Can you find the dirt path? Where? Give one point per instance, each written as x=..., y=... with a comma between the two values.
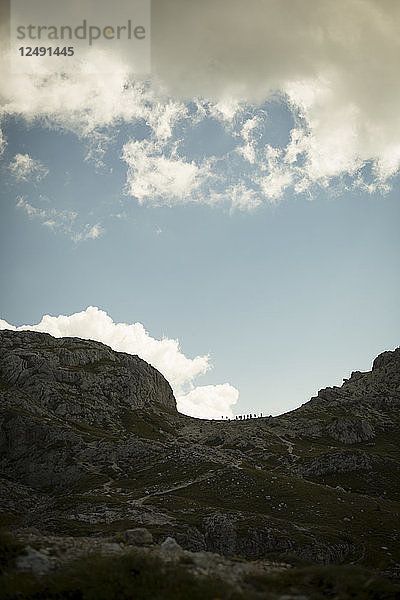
x=289, y=445
x=173, y=488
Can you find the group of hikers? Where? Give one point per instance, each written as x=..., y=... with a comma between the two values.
x=242, y=417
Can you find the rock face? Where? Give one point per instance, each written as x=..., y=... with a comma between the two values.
x=366, y=405
x=53, y=390
x=76, y=379
x=91, y=444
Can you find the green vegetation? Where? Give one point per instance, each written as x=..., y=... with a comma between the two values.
x=161, y=476
x=77, y=528
x=297, y=509
x=146, y=424
x=88, y=482
x=129, y=577
x=95, y=432
x=137, y=576
x=4, y=385
x=320, y=583
x=9, y=519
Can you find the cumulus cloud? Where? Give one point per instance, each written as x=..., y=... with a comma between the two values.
x=209, y=401
x=226, y=109
x=79, y=101
x=335, y=64
x=248, y=149
x=25, y=168
x=86, y=103
x=152, y=175
x=164, y=354
x=279, y=177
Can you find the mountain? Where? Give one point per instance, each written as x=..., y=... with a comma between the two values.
x=92, y=447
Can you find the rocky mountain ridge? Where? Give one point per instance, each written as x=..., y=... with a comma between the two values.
x=91, y=445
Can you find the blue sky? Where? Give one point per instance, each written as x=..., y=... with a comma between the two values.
x=260, y=232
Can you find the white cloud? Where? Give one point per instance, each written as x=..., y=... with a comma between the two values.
x=164, y=116
x=86, y=103
x=336, y=63
x=164, y=354
x=80, y=102
x=153, y=176
x=3, y=143
x=278, y=177
x=209, y=401
x=25, y=168
x=248, y=152
x=226, y=109
x=243, y=197
x=248, y=133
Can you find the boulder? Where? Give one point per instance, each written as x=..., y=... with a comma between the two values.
x=139, y=536
x=170, y=549
x=34, y=561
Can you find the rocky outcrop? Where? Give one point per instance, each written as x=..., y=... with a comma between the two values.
x=64, y=408
x=387, y=360
x=54, y=552
x=77, y=380
x=139, y=536
x=336, y=462
x=91, y=444
x=350, y=431
x=362, y=408
x=220, y=534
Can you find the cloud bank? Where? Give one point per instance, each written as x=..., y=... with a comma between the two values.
x=165, y=355
x=334, y=65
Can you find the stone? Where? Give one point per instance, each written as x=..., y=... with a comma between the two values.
x=170, y=549
x=139, y=536
x=220, y=534
x=34, y=561
x=351, y=431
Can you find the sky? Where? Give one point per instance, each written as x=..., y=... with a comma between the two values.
x=231, y=217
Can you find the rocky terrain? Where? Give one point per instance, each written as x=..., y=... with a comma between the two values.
x=92, y=448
